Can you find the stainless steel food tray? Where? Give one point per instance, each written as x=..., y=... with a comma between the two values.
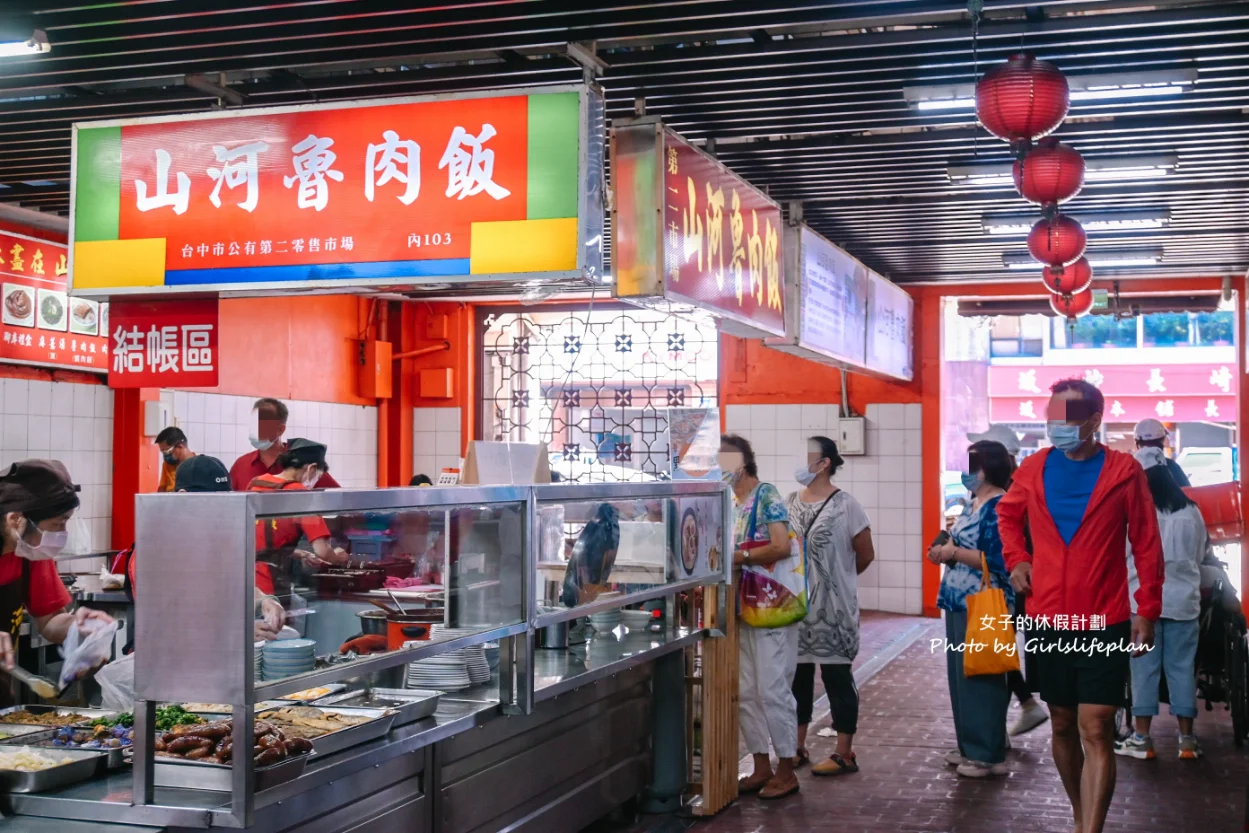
x=16, y=731
x=88, y=713
x=42, y=739
x=87, y=763
x=377, y=727
x=335, y=688
x=197, y=775
x=410, y=704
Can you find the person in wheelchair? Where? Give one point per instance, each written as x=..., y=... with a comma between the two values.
x=1174, y=653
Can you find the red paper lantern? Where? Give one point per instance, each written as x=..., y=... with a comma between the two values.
x=1057, y=241
x=1050, y=174
x=1072, y=306
x=1068, y=280
x=1022, y=100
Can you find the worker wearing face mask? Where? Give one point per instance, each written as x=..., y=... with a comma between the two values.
x=269, y=442
x=301, y=466
x=37, y=499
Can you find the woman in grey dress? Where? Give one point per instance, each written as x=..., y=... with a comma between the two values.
x=838, y=542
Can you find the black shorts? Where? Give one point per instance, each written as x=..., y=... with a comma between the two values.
x=1071, y=678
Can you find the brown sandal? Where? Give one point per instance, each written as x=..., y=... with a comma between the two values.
x=752, y=784
x=774, y=789
x=836, y=765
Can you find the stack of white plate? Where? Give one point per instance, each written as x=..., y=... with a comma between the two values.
x=606, y=621
x=444, y=673
x=258, y=655
x=287, y=657
x=476, y=664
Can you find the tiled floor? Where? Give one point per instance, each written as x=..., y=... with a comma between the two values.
x=904, y=729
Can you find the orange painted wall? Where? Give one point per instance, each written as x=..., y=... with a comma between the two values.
x=752, y=374
x=291, y=348
x=457, y=322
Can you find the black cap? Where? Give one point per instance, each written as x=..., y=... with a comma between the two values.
x=39, y=489
x=201, y=473
x=301, y=452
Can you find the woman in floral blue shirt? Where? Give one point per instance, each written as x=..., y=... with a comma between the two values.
x=767, y=656
x=979, y=702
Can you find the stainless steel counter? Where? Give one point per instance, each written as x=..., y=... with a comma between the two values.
x=104, y=804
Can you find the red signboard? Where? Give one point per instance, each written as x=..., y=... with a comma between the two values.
x=375, y=184
x=1169, y=392
x=40, y=324
x=722, y=240
x=164, y=344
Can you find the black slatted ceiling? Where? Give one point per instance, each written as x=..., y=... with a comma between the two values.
x=803, y=98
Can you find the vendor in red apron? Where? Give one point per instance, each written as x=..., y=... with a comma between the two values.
x=302, y=464
x=37, y=499
x=202, y=473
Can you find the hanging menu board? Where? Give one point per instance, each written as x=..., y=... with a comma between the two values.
x=41, y=324
x=890, y=310
x=833, y=316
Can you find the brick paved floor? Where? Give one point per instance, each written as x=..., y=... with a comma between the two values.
x=905, y=728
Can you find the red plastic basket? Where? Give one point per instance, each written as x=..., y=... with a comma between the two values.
x=1220, y=507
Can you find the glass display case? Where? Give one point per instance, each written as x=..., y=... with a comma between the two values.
x=402, y=618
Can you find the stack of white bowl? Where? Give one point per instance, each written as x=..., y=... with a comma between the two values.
x=607, y=620
x=288, y=657
x=447, y=672
x=258, y=656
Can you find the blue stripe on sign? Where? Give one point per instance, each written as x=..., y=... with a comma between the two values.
x=323, y=272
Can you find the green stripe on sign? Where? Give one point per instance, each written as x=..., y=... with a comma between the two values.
x=97, y=184
x=554, y=133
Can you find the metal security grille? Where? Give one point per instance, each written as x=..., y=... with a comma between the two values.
x=597, y=385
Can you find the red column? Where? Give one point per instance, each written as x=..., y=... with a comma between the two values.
x=136, y=461
x=928, y=363
x=1242, y=420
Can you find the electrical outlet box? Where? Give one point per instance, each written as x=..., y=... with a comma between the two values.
x=157, y=416
x=851, y=436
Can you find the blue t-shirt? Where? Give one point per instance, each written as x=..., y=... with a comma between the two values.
x=1068, y=486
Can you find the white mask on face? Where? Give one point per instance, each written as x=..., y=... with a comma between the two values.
x=804, y=475
x=259, y=444
x=310, y=478
x=50, y=545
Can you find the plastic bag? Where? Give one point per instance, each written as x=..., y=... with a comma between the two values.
x=85, y=650
x=117, y=684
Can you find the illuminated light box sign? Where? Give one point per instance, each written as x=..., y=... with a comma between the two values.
x=688, y=232
x=890, y=329
x=40, y=324
x=379, y=193
x=826, y=310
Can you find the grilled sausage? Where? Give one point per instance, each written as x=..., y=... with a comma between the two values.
x=268, y=741
x=196, y=754
x=298, y=746
x=212, y=731
x=181, y=746
x=267, y=757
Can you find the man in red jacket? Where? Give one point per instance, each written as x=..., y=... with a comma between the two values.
x=1082, y=503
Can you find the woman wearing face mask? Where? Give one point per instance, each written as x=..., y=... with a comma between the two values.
x=838, y=540
x=768, y=655
x=302, y=465
x=979, y=702
x=37, y=499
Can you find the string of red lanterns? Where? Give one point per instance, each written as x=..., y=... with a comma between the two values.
x=1021, y=102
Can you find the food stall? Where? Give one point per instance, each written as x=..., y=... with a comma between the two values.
x=507, y=675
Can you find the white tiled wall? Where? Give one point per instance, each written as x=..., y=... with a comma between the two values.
x=74, y=424
x=219, y=425
x=435, y=440
x=886, y=481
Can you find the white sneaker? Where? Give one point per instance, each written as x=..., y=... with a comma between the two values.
x=1029, y=719
x=954, y=758
x=976, y=769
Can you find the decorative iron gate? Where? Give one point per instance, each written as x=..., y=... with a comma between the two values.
x=595, y=384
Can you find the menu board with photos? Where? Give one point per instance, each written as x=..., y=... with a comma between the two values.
x=890, y=310
x=40, y=323
x=833, y=318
